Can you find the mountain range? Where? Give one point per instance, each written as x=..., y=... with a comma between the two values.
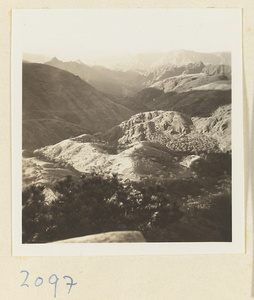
x=151, y=61
x=93, y=117
x=127, y=81
x=154, y=131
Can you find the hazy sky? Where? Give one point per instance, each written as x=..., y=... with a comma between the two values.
x=93, y=33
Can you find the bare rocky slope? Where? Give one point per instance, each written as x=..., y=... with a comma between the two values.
x=218, y=126
x=170, y=70
x=176, y=130
x=161, y=144
x=173, y=78
x=58, y=105
x=138, y=160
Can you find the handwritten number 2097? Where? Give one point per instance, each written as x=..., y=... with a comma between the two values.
x=53, y=279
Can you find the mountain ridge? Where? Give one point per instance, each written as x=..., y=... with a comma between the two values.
x=126, y=83
x=180, y=57
x=103, y=79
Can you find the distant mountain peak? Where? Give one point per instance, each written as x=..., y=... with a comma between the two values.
x=149, y=62
x=55, y=59
x=199, y=63
x=55, y=62
x=79, y=62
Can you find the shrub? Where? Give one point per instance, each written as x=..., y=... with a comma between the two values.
x=212, y=224
x=94, y=204
x=163, y=210
x=213, y=165
x=36, y=218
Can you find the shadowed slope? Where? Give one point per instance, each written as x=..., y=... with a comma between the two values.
x=58, y=105
x=103, y=79
x=195, y=103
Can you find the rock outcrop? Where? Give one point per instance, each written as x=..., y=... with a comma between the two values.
x=217, y=126
x=150, y=126
x=178, y=131
x=223, y=70
x=109, y=237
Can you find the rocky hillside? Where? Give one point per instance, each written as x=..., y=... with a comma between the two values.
x=184, y=83
x=138, y=160
x=224, y=70
x=144, y=126
x=176, y=130
x=157, y=144
x=170, y=70
x=218, y=126
x=58, y=105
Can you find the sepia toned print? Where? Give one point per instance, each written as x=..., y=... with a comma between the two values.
x=127, y=134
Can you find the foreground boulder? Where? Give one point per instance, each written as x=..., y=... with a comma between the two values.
x=109, y=237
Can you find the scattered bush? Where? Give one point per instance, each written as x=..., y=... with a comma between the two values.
x=213, y=165
x=212, y=224
x=163, y=210
x=36, y=217
x=95, y=204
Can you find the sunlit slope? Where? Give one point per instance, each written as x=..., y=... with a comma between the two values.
x=160, y=144
x=185, y=83
x=137, y=161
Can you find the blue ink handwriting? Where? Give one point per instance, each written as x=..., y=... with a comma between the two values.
x=53, y=280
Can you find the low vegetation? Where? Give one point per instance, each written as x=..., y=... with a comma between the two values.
x=194, y=209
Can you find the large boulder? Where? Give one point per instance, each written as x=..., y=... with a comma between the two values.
x=109, y=237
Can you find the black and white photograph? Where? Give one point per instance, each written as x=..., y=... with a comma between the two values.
x=127, y=128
